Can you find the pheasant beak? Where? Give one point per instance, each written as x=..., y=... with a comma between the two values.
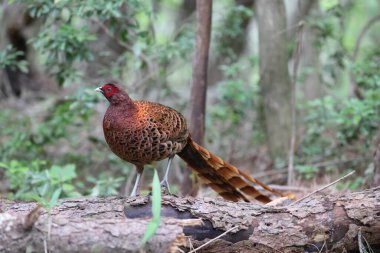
x=99, y=89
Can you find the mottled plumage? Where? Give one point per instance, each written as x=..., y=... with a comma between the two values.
x=151, y=132
x=141, y=132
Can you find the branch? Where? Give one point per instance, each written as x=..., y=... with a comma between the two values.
x=117, y=224
x=365, y=29
x=296, y=57
x=354, y=87
x=110, y=34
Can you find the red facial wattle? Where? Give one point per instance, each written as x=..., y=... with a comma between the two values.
x=109, y=90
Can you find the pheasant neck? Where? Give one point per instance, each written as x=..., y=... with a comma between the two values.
x=122, y=100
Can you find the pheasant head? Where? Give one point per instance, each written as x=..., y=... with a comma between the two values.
x=115, y=94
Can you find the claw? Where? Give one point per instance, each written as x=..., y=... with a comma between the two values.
x=165, y=186
x=165, y=182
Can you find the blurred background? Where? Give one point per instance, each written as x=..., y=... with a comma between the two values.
x=53, y=54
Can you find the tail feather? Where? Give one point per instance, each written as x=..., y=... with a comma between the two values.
x=225, y=179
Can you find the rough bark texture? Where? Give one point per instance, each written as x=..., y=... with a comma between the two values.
x=318, y=224
x=274, y=76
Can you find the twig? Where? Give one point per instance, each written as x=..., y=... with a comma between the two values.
x=269, y=173
x=323, y=245
x=190, y=244
x=362, y=247
x=282, y=170
x=121, y=43
x=368, y=25
x=181, y=251
x=369, y=246
x=335, y=162
x=358, y=42
x=297, y=54
x=288, y=188
x=321, y=189
x=315, y=246
x=207, y=243
x=45, y=246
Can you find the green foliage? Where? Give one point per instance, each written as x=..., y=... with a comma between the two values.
x=122, y=39
x=105, y=185
x=332, y=123
x=68, y=46
x=366, y=72
x=341, y=126
x=178, y=48
x=65, y=38
x=154, y=223
x=65, y=44
x=37, y=180
x=234, y=97
x=10, y=58
x=25, y=138
x=229, y=113
x=231, y=31
x=307, y=171
x=352, y=184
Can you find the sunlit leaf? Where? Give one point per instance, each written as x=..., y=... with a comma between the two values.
x=154, y=223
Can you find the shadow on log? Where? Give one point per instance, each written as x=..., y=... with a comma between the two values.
x=322, y=223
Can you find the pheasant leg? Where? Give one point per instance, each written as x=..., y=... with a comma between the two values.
x=137, y=181
x=165, y=181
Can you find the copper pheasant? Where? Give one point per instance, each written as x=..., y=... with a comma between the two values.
x=141, y=132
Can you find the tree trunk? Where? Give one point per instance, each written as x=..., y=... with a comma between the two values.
x=312, y=87
x=200, y=63
x=376, y=161
x=319, y=224
x=274, y=75
x=199, y=82
x=376, y=173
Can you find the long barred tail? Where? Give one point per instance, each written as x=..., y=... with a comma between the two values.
x=225, y=179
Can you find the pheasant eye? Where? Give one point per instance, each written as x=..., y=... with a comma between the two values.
x=109, y=89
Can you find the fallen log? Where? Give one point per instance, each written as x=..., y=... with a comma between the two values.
x=321, y=223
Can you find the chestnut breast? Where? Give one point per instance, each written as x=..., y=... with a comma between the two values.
x=146, y=133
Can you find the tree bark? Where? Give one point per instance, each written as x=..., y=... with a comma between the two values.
x=200, y=63
x=312, y=87
x=322, y=223
x=376, y=172
x=376, y=161
x=199, y=84
x=274, y=75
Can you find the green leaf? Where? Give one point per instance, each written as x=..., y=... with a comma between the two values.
x=54, y=198
x=156, y=210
